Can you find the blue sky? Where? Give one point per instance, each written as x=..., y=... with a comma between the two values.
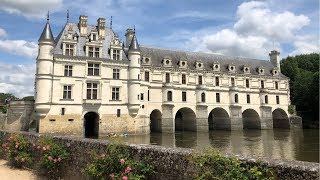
x=235, y=27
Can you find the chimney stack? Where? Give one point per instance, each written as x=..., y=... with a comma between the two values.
x=83, y=25
x=101, y=27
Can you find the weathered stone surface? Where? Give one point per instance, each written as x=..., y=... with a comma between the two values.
x=169, y=163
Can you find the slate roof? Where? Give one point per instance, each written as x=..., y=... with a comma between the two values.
x=46, y=34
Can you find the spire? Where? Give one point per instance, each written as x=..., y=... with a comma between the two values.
x=67, y=15
x=111, y=22
x=134, y=44
x=46, y=34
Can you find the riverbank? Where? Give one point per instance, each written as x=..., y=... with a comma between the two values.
x=169, y=163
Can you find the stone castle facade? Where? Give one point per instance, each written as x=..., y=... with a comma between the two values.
x=89, y=83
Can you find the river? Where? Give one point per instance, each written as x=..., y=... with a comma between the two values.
x=302, y=145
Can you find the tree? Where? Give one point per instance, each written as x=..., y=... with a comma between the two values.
x=4, y=96
x=303, y=71
x=28, y=98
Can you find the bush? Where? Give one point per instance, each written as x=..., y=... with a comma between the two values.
x=53, y=157
x=213, y=165
x=116, y=163
x=291, y=109
x=17, y=150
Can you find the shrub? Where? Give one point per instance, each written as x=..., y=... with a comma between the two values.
x=291, y=109
x=213, y=165
x=116, y=163
x=17, y=150
x=53, y=157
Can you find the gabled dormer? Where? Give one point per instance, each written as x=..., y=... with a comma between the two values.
x=216, y=66
x=183, y=63
x=167, y=62
x=69, y=42
x=199, y=65
x=116, y=48
x=231, y=68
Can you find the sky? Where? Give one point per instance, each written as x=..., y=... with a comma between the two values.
x=229, y=27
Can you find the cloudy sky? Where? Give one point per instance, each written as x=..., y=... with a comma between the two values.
x=234, y=27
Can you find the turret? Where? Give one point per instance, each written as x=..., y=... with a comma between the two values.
x=129, y=35
x=134, y=76
x=43, y=89
x=275, y=59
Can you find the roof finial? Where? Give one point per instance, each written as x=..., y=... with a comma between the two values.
x=48, y=16
x=111, y=23
x=67, y=15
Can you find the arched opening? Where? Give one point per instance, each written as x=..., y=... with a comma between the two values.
x=155, y=121
x=185, y=120
x=169, y=95
x=251, y=119
x=280, y=119
x=219, y=119
x=203, y=97
x=91, y=125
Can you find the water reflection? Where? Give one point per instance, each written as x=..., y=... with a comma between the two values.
x=277, y=144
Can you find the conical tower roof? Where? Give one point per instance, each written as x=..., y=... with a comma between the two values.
x=46, y=34
x=134, y=44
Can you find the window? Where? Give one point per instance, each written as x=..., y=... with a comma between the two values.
x=115, y=93
x=93, y=51
x=146, y=76
x=92, y=91
x=277, y=100
x=148, y=95
x=93, y=69
x=116, y=73
x=248, y=98
x=169, y=95
x=67, y=70
x=200, y=80
x=276, y=85
x=142, y=96
x=94, y=37
x=262, y=84
x=203, y=97
x=66, y=92
x=167, y=78
x=63, y=110
x=184, y=79
x=232, y=81
x=118, y=112
x=266, y=99
x=116, y=54
x=184, y=96
x=217, y=81
x=217, y=97
x=247, y=83
x=69, y=49
x=236, y=98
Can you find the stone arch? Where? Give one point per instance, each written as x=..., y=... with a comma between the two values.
x=280, y=119
x=219, y=119
x=185, y=120
x=91, y=125
x=155, y=121
x=251, y=119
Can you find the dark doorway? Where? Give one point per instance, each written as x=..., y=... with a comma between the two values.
x=91, y=125
x=185, y=120
x=155, y=121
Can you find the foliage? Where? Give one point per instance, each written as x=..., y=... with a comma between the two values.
x=3, y=109
x=116, y=163
x=4, y=96
x=303, y=71
x=291, y=109
x=53, y=156
x=17, y=149
x=213, y=165
x=28, y=98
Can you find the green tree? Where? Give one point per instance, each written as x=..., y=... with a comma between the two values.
x=4, y=96
x=303, y=71
x=28, y=98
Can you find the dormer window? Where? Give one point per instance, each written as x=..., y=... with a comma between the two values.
x=275, y=71
x=260, y=71
x=94, y=37
x=246, y=69
x=231, y=68
x=146, y=60
x=199, y=65
x=116, y=54
x=69, y=51
x=216, y=66
x=116, y=49
x=183, y=64
x=167, y=62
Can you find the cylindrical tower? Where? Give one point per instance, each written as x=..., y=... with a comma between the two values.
x=134, y=75
x=44, y=71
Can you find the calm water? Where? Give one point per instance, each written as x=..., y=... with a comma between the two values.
x=300, y=145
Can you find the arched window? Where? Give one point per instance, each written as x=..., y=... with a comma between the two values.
x=203, y=97
x=236, y=98
x=266, y=99
x=169, y=95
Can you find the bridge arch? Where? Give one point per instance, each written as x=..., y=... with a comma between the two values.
x=251, y=119
x=155, y=121
x=185, y=120
x=219, y=119
x=280, y=119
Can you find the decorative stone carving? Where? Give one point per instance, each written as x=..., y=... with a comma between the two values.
x=232, y=68
x=199, y=65
x=260, y=70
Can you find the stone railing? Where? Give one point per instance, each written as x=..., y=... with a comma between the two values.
x=169, y=163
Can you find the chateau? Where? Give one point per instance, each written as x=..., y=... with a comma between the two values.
x=89, y=83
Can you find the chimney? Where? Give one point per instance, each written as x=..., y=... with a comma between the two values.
x=83, y=25
x=101, y=27
x=275, y=59
x=129, y=36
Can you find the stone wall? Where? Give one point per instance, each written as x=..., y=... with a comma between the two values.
x=169, y=163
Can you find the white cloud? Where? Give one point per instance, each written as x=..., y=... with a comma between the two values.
x=17, y=79
x=306, y=44
x=30, y=8
x=256, y=31
x=19, y=47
